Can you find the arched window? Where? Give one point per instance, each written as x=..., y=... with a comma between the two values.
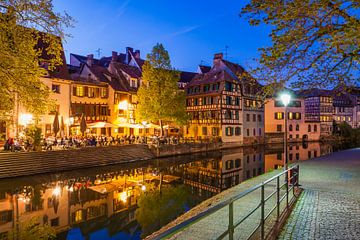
x=290, y=127
x=297, y=127
x=315, y=128
x=309, y=128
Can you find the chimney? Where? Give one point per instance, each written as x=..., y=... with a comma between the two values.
x=137, y=54
x=114, y=56
x=128, y=51
x=90, y=59
x=217, y=59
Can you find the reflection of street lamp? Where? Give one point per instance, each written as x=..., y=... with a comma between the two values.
x=285, y=99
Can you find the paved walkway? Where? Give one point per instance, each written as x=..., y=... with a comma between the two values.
x=329, y=207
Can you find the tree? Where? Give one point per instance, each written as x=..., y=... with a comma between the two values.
x=315, y=43
x=30, y=35
x=159, y=98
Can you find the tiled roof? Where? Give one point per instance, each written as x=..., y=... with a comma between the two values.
x=132, y=71
x=116, y=82
x=204, y=69
x=315, y=92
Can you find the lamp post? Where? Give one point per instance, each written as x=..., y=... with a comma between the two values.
x=285, y=99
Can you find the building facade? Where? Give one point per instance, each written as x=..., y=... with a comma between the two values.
x=297, y=128
x=216, y=108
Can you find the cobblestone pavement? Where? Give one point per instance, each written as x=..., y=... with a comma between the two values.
x=329, y=207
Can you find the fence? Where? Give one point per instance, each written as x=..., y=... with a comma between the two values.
x=285, y=184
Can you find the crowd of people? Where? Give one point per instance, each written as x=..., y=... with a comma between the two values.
x=58, y=143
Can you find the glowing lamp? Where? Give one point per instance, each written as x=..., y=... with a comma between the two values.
x=123, y=105
x=285, y=98
x=56, y=191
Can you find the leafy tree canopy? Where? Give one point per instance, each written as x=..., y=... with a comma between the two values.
x=30, y=35
x=159, y=96
x=315, y=43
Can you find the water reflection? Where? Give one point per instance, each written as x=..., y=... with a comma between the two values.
x=133, y=200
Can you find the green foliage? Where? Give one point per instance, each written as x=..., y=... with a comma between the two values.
x=31, y=230
x=34, y=133
x=314, y=43
x=157, y=209
x=159, y=96
x=20, y=71
x=347, y=133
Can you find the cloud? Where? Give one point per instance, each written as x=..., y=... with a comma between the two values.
x=182, y=31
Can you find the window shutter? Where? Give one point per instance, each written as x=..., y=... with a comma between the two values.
x=86, y=91
x=74, y=91
x=275, y=115
x=97, y=92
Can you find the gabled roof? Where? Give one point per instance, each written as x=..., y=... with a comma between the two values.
x=116, y=82
x=132, y=71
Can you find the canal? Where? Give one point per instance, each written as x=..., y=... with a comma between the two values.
x=130, y=201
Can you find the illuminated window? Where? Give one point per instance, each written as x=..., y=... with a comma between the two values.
x=279, y=115
x=78, y=216
x=79, y=91
x=103, y=92
x=91, y=92
x=55, y=88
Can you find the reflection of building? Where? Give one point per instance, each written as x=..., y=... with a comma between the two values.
x=222, y=103
x=297, y=128
x=274, y=158
x=210, y=177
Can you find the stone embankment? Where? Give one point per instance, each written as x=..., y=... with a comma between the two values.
x=30, y=163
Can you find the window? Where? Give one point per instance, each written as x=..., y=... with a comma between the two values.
x=80, y=91
x=248, y=117
x=120, y=130
x=290, y=156
x=297, y=155
x=6, y=216
x=297, y=135
x=315, y=128
x=55, y=88
x=309, y=154
x=254, y=132
x=290, y=127
x=91, y=92
x=229, y=131
x=47, y=129
x=260, y=132
x=237, y=163
x=228, y=100
x=309, y=128
x=237, y=131
x=229, y=164
x=237, y=101
x=103, y=93
x=247, y=132
x=297, y=127
x=279, y=115
x=259, y=118
x=215, y=131
x=228, y=86
x=237, y=115
x=279, y=156
x=103, y=111
x=204, y=131
x=54, y=222
x=78, y=216
x=195, y=102
x=279, y=127
x=254, y=117
x=290, y=136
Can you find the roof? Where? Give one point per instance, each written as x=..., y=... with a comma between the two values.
x=132, y=71
x=315, y=92
x=118, y=83
x=186, y=77
x=204, y=69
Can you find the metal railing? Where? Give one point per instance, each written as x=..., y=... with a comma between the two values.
x=290, y=182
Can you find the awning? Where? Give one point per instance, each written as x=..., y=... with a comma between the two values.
x=101, y=125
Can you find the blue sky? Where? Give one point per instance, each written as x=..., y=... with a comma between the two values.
x=192, y=31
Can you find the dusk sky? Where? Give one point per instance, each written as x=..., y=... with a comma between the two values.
x=192, y=31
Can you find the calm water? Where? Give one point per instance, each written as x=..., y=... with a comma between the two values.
x=130, y=201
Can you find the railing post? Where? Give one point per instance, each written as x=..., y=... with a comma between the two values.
x=262, y=213
x=278, y=197
x=287, y=187
x=231, y=221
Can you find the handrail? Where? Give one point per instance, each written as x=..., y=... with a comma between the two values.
x=294, y=170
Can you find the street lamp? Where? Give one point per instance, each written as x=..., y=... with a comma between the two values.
x=285, y=99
